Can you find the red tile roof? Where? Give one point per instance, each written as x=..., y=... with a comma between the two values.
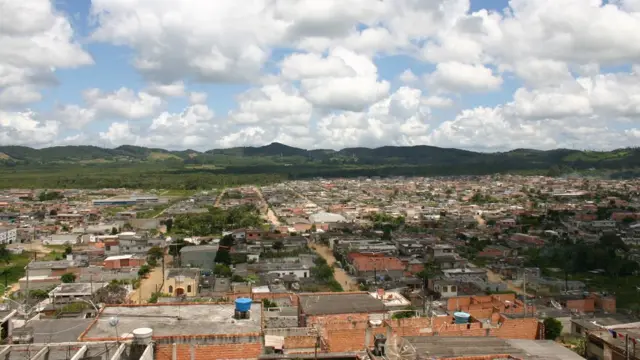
x=377, y=263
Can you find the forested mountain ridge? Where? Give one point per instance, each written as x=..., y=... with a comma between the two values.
x=280, y=154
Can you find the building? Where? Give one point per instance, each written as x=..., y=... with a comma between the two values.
x=69, y=293
x=184, y=331
x=132, y=243
x=381, y=267
x=483, y=348
x=181, y=282
x=53, y=268
x=127, y=201
x=71, y=218
x=323, y=308
x=202, y=256
x=123, y=261
x=62, y=239
x=8, y=235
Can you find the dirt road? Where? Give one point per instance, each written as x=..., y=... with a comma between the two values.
x=219, y=198
x=269, y=215
x=148, y=286
x=341, y=276
x=493, y=277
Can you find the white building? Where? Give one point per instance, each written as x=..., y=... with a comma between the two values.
x=8, y=235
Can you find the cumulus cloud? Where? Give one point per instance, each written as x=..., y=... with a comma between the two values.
x=333, y=73
x=123, y=103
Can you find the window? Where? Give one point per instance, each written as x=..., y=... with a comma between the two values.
x=453, y=288
x=170, y=289
x=188, y=288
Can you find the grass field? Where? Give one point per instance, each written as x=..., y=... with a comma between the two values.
x=12, y=272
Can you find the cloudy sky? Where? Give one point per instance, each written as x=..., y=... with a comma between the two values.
x=487, y=75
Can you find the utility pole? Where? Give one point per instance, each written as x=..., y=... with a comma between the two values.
x=524, y=290
x=27, y=294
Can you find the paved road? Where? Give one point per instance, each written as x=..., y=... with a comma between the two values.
x=347, y=282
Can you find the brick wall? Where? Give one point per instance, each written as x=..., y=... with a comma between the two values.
x=208, y=351
x=585, y=305
x=336, y=318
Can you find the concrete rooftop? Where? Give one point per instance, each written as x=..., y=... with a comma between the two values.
x=175, y=320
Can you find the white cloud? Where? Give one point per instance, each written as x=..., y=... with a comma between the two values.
x=272, y=104
x=175, y=89
x=191, y=128
x=311, y=68
x=123, y=103
x=22, y=128
x=197, y=97
x=34, y=41
x=459, y=77
x=408, y=77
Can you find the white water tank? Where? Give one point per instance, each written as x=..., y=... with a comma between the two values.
x=142, y=336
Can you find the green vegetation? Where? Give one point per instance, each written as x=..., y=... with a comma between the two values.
x=68, y=278
x=552, y=328
x=322, y=272
x=603, y=266
x=217, y=220
x=187, y=171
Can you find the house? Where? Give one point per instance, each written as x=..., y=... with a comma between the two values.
x=69, y=293
x=202, y=256
x=437, y=250
x=8, y=235
x=181, y=282
x=446, y=288
x=495, y=251
x=369, y=267
x=71, y=218
x=324, y=308
x=123, y=261
x=62, y=239
x=53, y=268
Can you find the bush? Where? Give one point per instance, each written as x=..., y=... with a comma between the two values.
x=552, y=328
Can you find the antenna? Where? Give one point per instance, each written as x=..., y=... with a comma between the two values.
x=398, y=348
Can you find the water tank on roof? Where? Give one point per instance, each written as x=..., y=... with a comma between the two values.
x=243, y=308
x=461, y=317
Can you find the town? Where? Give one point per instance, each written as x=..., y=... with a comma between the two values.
x=484, y=267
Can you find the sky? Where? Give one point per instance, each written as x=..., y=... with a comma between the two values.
x=483, y=75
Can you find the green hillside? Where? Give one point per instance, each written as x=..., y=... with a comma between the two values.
x=86, y=166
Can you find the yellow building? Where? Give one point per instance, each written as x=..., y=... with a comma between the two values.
x=181, y=282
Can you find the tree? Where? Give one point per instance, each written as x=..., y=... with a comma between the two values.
x=223, y=257
x=114, y=231
x=53, y=212
x=68, y=250
x=278, y=245
x=386, y=234
x=222, y=270
x=114, y=293
x=5, y=255
x=144, y=270
x=68, y=278
x=155, y=253
x=552, y=328
x=169, y=224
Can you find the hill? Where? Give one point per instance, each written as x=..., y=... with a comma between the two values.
x=266, y=158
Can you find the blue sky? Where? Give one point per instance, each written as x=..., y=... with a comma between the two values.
x=411, y=75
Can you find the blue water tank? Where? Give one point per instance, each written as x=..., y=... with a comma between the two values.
x=461, y=317
x=243, y=304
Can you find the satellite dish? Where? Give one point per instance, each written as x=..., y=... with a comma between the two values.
x=398, y=348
